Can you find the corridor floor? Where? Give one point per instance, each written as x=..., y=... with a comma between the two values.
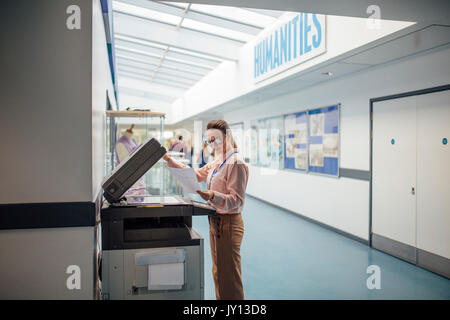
x=287, y=257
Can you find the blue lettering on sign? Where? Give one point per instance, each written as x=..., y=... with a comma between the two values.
x=294, y=22
x=256, y=68
x=276, y=53
x=283, y=44
x=307, y=30
x=288, y=42
x=317, y=39
x=301, y=34
x=268, y=54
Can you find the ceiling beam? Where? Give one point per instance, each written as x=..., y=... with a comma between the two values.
x=182, y=74
x=127, y=76
x=137, y=46
x=182, y=39
x=150, y=87
x=141, y=72
x=176, y=80
x=197, y=16
x=127, y=66
x=150, y=78
x=155, y=60
x=118, y=36
x=169, y=84
x=158, y=51
x=149, y=64
x=162, y=57
x=270, y=13
x=143, y=93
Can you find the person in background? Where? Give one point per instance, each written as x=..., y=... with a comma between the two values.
x=204, y=156
x=172, y=143
x=226, y=180
x=125, y=145
x=179, y=145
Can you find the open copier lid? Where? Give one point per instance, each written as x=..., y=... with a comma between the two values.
x=131, y=169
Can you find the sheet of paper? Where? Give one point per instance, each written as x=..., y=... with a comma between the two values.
x=317, y=124
x=316, y=155
x=187, y=178
x=301, y=158
x=330, y=145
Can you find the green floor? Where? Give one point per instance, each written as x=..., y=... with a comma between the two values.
x=287, y=257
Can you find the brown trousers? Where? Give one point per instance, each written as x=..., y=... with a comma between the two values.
x=225, y=234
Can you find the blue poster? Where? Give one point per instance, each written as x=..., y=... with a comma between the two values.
x=296, y=141
x=323, y=140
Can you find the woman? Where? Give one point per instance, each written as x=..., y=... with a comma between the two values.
x=226, y=179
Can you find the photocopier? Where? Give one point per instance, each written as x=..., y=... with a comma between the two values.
x=149, y=248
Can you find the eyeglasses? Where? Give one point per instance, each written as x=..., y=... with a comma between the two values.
x=213, y=140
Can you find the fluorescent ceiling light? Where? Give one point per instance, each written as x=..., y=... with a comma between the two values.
x=175, y=4
x=203, y=66
x=139, y=41
x=235, y=14
x=195, y=54
x=215, y=30
x=139, y=52
x=146, y=13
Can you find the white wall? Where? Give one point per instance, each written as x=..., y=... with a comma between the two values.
x=347, y=200
x=45, y=103
x=53, y=100
x=231, y=80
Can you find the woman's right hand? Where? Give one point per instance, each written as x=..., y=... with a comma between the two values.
x=166, y=157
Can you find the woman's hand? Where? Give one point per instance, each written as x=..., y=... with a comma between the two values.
x=166, y=157
x=206, y=195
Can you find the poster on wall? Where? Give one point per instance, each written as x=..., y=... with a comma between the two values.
x=254, y=144
x=296, y=141
x=267, y=136
x=237, y=130
x=323, y=140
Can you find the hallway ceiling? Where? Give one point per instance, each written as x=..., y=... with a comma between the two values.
x=431, y=11
x=174, y=45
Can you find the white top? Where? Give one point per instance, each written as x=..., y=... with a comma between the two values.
x=122, y=151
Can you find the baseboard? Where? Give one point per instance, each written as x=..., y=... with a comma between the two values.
x=394, y=248
x=424, y=259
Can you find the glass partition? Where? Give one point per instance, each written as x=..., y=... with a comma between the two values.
x=143, y=125
x=267, y=142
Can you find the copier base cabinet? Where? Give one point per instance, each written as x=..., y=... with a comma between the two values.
x=151, y=251
x=122, y=279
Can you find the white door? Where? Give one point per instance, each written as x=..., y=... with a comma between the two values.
x=394, y=170
x=433, y=173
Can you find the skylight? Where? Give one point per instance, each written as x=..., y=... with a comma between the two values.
x=176, y=44
x=218, y=31
x=145, y=13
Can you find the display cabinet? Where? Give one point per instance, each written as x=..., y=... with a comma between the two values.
x=147, y=125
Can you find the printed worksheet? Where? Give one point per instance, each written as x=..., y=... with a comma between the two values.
x=187, y=178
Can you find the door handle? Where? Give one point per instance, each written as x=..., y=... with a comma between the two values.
x=413, y=190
